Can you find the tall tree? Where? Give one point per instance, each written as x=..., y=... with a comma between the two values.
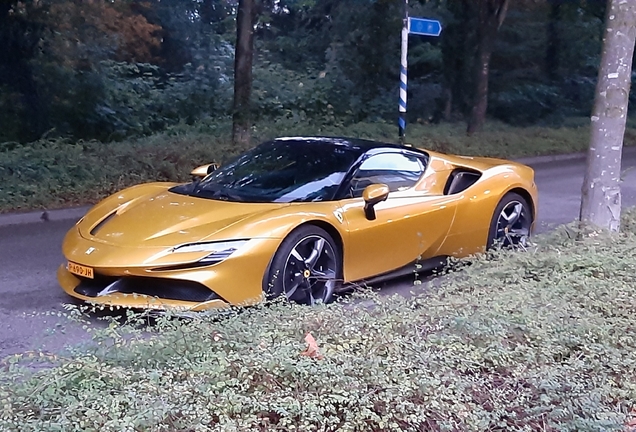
x=553, y=48
x=85, y=33
x=243, y=56
x=458, y=57
x=490, y=16
x=21, y=31
x=601, y=203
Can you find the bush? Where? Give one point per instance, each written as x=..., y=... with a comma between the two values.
x=115, y=100
x=57, y=173
x=542, y=340
x=524, y=104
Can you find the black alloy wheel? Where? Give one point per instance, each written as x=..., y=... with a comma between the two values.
x=307, y=267
x=511, y=222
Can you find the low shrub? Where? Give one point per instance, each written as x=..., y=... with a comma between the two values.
x=57, y=173
x=541, y=340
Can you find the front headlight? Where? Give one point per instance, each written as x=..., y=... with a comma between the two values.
x=218, y=250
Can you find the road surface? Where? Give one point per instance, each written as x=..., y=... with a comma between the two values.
x=30, y=254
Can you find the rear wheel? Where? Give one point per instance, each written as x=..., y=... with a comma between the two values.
x=306, y=267
x=511, y=222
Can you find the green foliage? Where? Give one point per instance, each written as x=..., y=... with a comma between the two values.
x=341, y=65
x=535, y=340
x=107, y=71
x=530, y=86
x=280, y=93
x=119, y=99
x=321, y=98
x=524, y=103
x=139, y=100
x=11, y=111
x=58, y=173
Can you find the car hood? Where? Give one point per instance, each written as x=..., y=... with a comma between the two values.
x=167, y=219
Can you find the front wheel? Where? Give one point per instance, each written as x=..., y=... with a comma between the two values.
x=306, y=267
x=511, y=222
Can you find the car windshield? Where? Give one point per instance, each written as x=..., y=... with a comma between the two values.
x=279, y=171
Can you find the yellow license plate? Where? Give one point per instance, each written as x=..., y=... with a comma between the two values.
x=80, y=270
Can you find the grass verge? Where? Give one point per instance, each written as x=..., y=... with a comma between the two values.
x=541, y=340
x=50, y=174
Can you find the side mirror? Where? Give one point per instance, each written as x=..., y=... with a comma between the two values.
x=204, y=170
x=372, y=195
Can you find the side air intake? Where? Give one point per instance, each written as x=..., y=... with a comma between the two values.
x=460, y=180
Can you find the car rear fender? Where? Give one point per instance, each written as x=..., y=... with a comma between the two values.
x=469, y=232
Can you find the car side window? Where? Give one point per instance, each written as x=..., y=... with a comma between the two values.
x=398, y=171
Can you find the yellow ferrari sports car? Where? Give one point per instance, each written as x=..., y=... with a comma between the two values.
x=298, y=217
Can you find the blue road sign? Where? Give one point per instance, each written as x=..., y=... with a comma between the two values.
x=424, y=27
x=417, y=26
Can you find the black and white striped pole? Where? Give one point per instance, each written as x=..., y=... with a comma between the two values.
x=418, y=26
x=404, y=73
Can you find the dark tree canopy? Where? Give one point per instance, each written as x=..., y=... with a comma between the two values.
x=107, y=69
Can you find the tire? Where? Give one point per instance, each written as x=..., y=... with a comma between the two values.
x=511, y=222
x=306, y=268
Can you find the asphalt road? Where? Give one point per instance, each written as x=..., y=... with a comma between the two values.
x=30, y=254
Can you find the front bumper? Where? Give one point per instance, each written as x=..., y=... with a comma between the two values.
x=84, y=290
x=236, y=281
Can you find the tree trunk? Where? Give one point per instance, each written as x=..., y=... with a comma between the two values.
x=480, y=98
x=243, y=72
x=448, y=105
x=554, y=42
x=601, y=193
x=491, y=14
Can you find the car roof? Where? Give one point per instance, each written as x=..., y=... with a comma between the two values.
x=359, y=144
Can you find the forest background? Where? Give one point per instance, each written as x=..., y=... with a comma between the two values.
x=99, y=94
x=108, y=70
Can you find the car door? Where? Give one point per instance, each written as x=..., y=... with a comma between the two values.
x=408, y=225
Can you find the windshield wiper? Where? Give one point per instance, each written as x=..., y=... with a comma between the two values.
x=226, y=196
x=219, y=194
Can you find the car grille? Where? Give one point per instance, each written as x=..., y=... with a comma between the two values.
x=161, y=288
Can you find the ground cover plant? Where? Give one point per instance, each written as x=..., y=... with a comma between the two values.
x=537, y=340
x=49, y=174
